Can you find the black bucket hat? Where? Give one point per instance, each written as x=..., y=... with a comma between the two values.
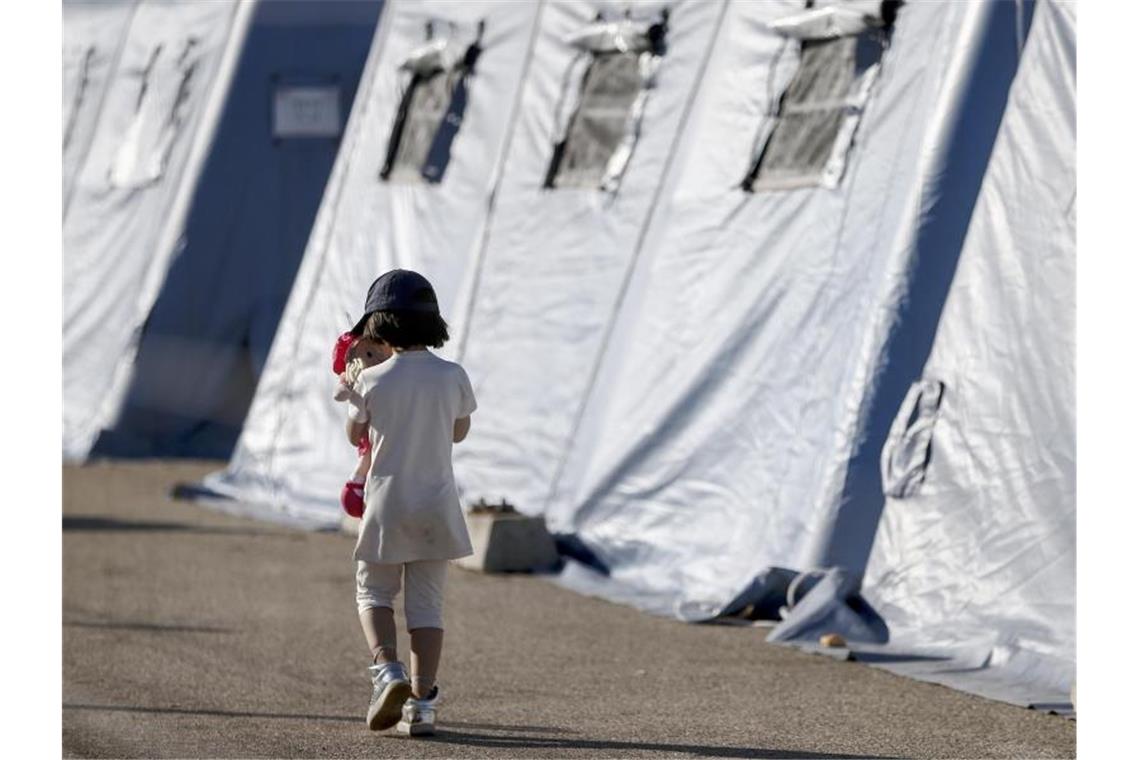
x=398, y=290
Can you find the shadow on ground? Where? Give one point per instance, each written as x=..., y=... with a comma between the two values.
x=213, y=713
x=519, y=743
x=515, y=738
x=117, y=525
x=125, y=625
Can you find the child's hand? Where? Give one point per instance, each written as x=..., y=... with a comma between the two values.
x=347, y=392
x=344, y=389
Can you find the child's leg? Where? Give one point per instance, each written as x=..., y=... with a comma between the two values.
x=423, y=607
x=376, y=590
x=427, y=647
x=379, y=625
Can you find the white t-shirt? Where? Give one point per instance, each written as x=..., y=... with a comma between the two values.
x=411, y=506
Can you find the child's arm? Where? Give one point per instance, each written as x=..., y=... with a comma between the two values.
x=355, y=430
x=462, y=426
x=467, y=405
x=362, y=467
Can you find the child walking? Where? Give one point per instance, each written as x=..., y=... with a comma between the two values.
x=412, y=406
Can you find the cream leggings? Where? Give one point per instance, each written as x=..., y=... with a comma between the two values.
x=378, y=585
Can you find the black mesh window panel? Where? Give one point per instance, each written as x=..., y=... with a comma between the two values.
x=609, y=87
x=813, y=110
x=424, y=106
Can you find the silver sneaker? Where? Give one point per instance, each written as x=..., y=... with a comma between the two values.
x=418, y=716
x=390, y=688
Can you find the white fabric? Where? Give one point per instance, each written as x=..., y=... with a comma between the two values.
x=723, y=397
x=93, y=37
x=411, y=506
x=625, y=36
x=438, y=54
x=378, y=585
x=556, y=260
x=120, y=227
x=827, y=23
x=979, y=559
x=346, y=391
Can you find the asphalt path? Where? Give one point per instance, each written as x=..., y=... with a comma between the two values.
x=189, y=633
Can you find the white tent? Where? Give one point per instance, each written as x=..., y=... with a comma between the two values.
x=693, y=255
x=726, y=403
x=156, y=76
x=975, y=557
x=186, y=209
x=971, y=581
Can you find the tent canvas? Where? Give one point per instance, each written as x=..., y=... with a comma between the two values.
x=132, y=178
x=93, y=37
x=974, y=559
x=690, y=379
x=209, y=330
x=685, y=402
x=216, y=239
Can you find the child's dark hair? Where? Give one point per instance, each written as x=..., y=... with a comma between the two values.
x=402, y=329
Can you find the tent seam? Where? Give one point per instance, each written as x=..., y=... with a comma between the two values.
x=493, y=196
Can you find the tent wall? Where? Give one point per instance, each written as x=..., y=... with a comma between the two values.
x=556, y=261
x=902, y=327
x=975, y=559
x=130, y=190
x=291, y=455
x=692, y=425
x=207, y=335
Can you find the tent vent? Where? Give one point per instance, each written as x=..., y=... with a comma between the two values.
x=811, y=134
x=431, y=108
x=906, y=454
x=603, y=100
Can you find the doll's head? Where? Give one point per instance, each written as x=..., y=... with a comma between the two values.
x=352, y=355
x=368, y=352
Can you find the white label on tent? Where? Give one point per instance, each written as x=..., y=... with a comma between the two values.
x=306, y=111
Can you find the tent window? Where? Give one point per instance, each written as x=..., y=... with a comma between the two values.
x=612, y=74
x=813, y=130
x=431, y=110
x=160, y=113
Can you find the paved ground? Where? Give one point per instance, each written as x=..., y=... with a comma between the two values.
x=192, y=634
